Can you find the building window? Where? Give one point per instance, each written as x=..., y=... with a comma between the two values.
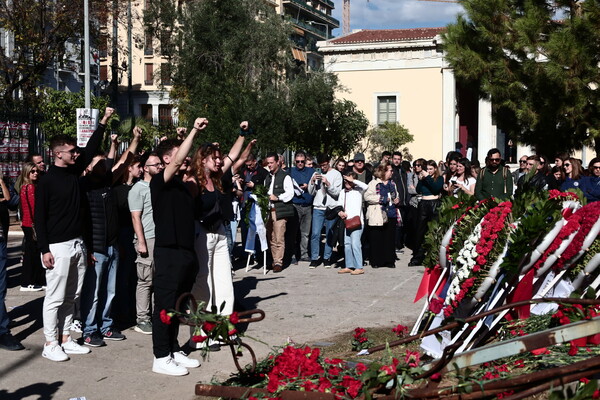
x=104, y=72
x=386, y=109
x=148, y=49
x=165, y=115
x=146, y=111
x=165, y=74
x=149, y=74
x=165, y=44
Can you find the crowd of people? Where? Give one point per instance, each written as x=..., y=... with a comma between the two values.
x=113, y=242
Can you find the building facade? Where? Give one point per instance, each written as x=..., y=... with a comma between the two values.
x=312, y=22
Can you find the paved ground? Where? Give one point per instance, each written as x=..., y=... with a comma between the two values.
x=305, y=305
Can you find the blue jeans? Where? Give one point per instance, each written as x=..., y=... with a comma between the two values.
x=353, y=249
x=4, y=320
x=99, y=291
x=318, y=219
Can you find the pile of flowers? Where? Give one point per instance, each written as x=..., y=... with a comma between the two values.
x=479, y=251
x=360, y=340
x=207, y=325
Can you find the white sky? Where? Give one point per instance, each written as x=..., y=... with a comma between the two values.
x=396, y=14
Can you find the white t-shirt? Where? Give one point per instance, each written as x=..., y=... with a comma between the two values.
x=466, y=184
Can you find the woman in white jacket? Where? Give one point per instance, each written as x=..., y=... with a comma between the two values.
x=351, y=199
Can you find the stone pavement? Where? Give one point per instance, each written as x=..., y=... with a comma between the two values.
x=304, y=305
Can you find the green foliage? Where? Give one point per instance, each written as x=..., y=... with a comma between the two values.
x=41, y=32
x=540, y=73
x=58, y=110
x=231, y=61
x=450, y=210
x=389, y=136
x=150, y=133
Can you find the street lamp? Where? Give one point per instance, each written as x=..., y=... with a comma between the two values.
x=319, y=23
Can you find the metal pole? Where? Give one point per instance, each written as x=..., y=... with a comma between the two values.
x=130, y=62
x=86, y=52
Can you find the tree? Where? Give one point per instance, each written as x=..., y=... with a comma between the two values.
x=36, y=32
x=231, y=60
x=59, y=115
x=541, y=73
x=389, y=136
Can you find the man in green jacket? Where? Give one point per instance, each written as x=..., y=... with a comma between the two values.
x=495, y=180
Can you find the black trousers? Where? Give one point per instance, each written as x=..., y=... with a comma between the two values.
x=381, y=244
x=175, y=271
x=427, y=211
x=32, y=272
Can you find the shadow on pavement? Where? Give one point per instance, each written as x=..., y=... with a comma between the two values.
x=30, y=314
x=41, y=391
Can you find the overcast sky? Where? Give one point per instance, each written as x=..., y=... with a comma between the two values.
x=396, y=14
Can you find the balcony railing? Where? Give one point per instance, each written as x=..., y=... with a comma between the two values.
x=317, y=13
x=310, y=28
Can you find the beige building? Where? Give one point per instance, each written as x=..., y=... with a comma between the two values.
x=401, y=75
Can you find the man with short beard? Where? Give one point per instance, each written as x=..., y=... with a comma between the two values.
x=495, y=180
x=140, y=206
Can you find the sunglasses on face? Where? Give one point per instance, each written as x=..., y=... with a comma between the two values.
x=494, y=159
x=523, y=161
x=567, y=164
x=300, y=161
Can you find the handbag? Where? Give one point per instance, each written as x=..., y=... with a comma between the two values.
x=352, y=223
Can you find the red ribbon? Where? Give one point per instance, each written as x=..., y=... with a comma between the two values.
x=523, y=291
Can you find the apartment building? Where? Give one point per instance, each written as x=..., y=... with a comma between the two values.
x=312, y=22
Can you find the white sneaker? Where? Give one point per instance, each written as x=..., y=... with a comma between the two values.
x=54, y=352
x=183, y=360
x=71, y=347
x=76, y=326
x=168, y=366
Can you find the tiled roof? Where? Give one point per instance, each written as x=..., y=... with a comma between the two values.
x=388, y=35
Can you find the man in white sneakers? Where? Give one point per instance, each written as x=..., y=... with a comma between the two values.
x=59, y=229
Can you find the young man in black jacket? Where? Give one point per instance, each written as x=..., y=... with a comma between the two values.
x=59, y=229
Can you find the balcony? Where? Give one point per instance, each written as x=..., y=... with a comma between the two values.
x=313, y=12
x=310, y=28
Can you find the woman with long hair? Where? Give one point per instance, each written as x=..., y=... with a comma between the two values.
x=340, y=165
x=573, y=174
x=351, y=199
x=381, y=197
x=209, y=172
x=430, y=187
x=463, y=180
x=33, y=277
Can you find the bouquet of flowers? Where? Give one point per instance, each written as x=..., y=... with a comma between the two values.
x=207, y=325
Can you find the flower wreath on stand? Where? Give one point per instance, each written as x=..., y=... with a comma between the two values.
x=207, y=325
x=588, y=217
x=464, y=227
x=480, y=251
x=262, y=200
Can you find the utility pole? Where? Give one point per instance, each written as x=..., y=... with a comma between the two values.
x=86, y=52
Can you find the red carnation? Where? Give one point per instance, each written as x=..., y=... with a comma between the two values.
x=234, y=318
x=199, y=338
x=165, y=317
x=208, y=326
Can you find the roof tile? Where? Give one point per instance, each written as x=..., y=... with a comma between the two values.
x=388, y=35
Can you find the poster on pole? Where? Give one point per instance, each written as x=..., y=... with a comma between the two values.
x=87, y=121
